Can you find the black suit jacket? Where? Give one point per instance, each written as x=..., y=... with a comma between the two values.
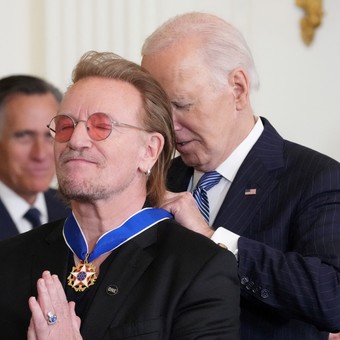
x=289, y=249
x=170, y=283
x=56, y=209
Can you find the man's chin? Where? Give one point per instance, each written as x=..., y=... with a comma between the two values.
x=81, y=193
x=190, y=160
x=75, y=195
x=35, y=189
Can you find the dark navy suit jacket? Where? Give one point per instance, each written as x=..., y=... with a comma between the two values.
x=289, y=249
x=56, y=209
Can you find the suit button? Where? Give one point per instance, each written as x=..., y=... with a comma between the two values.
x=244, y=280
x=250, y=285
x=264, y=293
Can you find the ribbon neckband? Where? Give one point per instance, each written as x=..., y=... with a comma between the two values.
x=84, y=274
x=112, y=239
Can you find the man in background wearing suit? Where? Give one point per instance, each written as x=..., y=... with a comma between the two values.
x=276, y=204
x=27, y=104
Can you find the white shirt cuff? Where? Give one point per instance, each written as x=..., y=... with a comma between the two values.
x=227, y=238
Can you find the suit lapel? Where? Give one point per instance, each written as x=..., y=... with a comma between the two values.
x=128, y=265
x=258, y=173
x=253, y=183
x=55, y=256
x=246, y=195
x=8, y=228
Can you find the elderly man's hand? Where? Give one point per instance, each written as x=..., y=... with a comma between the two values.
x=183, y=206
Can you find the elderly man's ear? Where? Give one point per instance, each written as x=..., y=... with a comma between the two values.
x=239, y=81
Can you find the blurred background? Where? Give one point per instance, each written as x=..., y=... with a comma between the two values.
x=300, y=84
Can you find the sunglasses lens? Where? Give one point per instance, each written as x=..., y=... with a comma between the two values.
x=61, y=128
x=99, y=126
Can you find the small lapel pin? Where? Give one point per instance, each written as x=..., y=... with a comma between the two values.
x=111, y=290
x=251, y=191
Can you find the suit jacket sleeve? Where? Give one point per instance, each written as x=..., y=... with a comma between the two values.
x=289, y=253
x=301, y=279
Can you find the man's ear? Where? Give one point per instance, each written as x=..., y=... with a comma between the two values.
x=239, y=81
x=153, y=147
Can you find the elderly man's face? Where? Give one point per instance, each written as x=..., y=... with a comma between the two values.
x=205, y=116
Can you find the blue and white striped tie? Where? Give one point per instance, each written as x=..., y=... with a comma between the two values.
x=206, y=182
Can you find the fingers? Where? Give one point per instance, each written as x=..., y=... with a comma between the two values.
x=54, y=289
x=31, y=332
x=38, y=323
x=52, y=299
x=51, y=296
x=75, y=319
x=183, y=206
x=47, y=295
x=177, y=202
x=31, y=335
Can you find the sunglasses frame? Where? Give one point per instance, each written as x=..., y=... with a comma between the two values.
x=114, y=123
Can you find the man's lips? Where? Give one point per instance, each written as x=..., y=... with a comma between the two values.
x=69, y=158
x=182, y=143
x=184, y=146
x=78, y=160
x=38, y=171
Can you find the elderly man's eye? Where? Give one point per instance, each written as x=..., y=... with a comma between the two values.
x=181, y=106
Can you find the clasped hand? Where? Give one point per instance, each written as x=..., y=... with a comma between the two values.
x=53, y=317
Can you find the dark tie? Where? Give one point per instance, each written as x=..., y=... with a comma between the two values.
x=33, y=216
x=206, y=182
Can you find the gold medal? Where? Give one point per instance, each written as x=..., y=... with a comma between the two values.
x=82, y=276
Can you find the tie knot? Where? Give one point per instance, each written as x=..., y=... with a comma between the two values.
x=33, y=216
x=209, y=179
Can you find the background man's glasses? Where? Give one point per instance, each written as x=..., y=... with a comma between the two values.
x=98, y=125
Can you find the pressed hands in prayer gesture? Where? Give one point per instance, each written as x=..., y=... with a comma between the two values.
x=53, y=317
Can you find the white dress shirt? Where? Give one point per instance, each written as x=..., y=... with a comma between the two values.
x=228, y=169
x=17, y=207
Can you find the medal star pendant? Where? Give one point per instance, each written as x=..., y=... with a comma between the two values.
x=82, y=276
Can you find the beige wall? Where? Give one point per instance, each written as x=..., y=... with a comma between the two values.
x=300, y=85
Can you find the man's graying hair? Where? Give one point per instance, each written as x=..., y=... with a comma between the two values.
x=156, y=115
x=222, y=46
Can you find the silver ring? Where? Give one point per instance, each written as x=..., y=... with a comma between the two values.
x=51, y=318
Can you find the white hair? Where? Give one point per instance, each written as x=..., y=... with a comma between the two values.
x=222, y=46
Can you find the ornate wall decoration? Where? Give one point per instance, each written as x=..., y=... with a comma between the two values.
x=311, y=20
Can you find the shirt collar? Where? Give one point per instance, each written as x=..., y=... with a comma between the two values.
x=17, y=206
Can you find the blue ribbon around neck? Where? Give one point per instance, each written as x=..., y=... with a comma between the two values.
x=112, y=239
